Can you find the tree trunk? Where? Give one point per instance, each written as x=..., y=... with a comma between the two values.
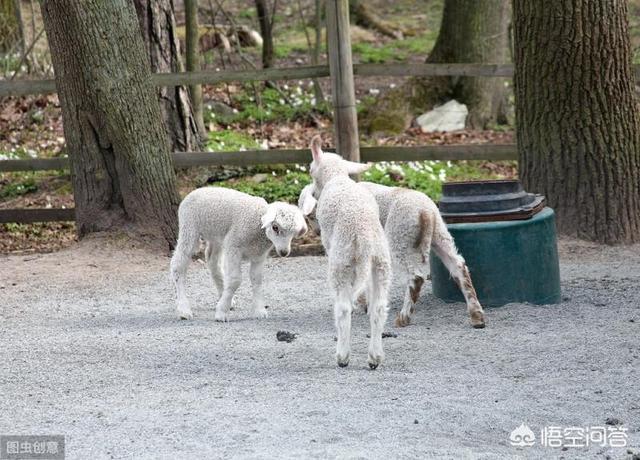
x=266, y=30
x=11, y=36
x=193, y=60
x=472, y=31
x=577, y=116
x=121, y=168
x=158, y=26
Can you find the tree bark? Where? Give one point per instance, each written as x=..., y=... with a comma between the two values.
x=266, y=30
x=158, y=27
x=11, y=36
x=193, y=60
x=472, y=31
x=577, y=115
x=118, y=147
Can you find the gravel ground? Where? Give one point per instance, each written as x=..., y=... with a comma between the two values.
x=90, y=348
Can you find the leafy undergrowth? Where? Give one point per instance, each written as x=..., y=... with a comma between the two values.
x=425, y=176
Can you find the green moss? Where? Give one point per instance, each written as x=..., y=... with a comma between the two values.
x=228, y=140
x=285, y=187
x=388, y=114
x=297, y=103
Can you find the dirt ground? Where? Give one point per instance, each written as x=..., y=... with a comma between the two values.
x=90, y=349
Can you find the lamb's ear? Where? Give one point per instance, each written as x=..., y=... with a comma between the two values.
x=307, y=202
x=316, y=148
x=356, y=168
x=268, y=217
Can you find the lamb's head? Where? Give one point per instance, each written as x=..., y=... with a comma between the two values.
x=282, y=222
x=307, y=203
x=325, y=166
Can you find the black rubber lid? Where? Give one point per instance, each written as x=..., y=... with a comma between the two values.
x=492, y=197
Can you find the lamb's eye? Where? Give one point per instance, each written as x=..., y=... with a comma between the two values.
x=275, y=228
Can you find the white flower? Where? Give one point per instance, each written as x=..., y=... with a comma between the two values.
x=296, y=181
x=374, y=91
x=392, y=85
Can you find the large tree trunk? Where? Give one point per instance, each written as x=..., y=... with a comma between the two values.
x=121, y=168
x=158, y=26
x=577, y=116
x=472, y=31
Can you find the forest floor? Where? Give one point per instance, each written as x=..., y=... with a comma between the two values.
x=91, y=349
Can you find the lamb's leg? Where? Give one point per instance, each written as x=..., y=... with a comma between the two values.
x=342, y=316
x=445, y=248
x=256, y=274
x=232, y=279
x=377, y=294
x=412, y=294
x=212, y=256
x=185, y=248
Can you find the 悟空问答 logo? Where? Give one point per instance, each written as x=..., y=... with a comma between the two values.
x=522, y=436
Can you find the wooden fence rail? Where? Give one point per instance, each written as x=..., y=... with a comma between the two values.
x=287, y=156
x=254, y=157
x=211, y=77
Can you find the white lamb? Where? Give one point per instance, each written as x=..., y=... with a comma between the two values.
x=356, y=247
x=235, y=227
x=413, y=225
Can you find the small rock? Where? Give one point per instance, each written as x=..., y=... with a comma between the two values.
x=385, y=335
x=259, y=178
x=613, y=421
x=220, y=109
x=632, y=320
x=451, y=116
x=285, y=336
x=415, y=422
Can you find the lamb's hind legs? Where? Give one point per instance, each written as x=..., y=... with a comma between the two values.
x=412, y=294
x=444, y=247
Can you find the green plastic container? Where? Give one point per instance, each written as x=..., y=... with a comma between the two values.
x=511, y=261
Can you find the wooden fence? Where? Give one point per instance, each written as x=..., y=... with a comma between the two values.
x=341, y=72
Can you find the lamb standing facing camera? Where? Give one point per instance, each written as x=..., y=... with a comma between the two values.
x=235, y=227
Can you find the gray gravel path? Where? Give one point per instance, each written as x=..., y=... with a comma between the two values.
x=90, y=348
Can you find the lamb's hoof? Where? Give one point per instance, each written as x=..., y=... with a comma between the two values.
x=402, y=320
x=342, y=361
x=221, y=317
x=375, y=361
x=477, y=320
x=185, y=314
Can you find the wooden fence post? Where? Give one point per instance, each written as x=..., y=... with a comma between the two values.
x=345, y=120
